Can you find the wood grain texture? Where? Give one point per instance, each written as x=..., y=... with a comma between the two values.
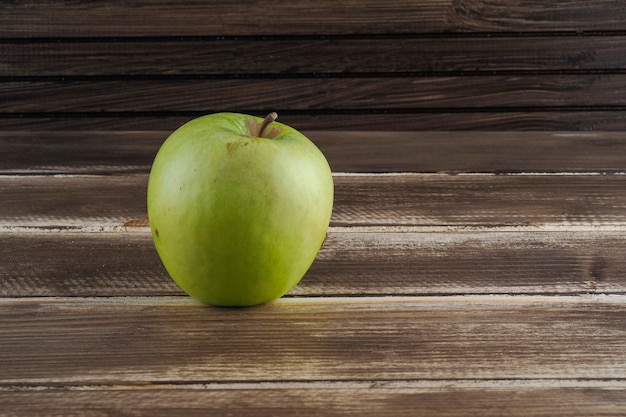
x=583, y=120
x=463, y=274
x=155, y=18
x=99, y=152
x=446, y=399
x=318, y=55
x=379, y=262
x=362, y=262
x=465, y=152
x=483, y=201
x=82, y=264
x=538, y=200
x=436, y=65
x=433, y=294
x=438, y=94
x=144, y=340
x=587, y=102
x=88, y=152
x=79, y=201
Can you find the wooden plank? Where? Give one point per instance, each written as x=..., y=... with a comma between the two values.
x=380, y=262
x=478, y=200
x=126, y=341
x=472, y=152
x=586, y=119
x=82, y=264
x=542, y=200
x=286, y=57
x=493, y=93
x=97, y=152
x=90, y=152
x=196, y=18
x=366, y=262
x=96, y=202
x=423, y=398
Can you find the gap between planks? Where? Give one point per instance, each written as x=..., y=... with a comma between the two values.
x=420, y=384
x=140, y=227
x=356, y=302
x=392, y=398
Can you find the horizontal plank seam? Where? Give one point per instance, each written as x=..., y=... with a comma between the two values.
x=307, y=75
x=314, y=112
x=423, y=383
x=317, y=36
x=123, y=170
x=98, y=228
x=389, y=301
x=589, y=173
x=583, y=294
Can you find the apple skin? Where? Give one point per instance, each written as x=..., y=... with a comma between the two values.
x=238, y=219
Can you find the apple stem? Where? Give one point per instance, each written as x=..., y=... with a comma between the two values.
x=268, y=120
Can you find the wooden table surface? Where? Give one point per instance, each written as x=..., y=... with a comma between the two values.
x=464, y=274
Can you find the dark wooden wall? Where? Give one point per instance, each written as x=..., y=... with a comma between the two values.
x=322, y=64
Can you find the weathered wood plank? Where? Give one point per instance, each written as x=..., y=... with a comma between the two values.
x=89, y=152
x=77, y=201
x=376, y=398
x=378, y=262
x=439, y=93
x=479, y=152
x=286, y=57
x=541, y=200
x=351, y=262
x=195, y=18
x=586, y=119
x=478, y=200
x=452, y=152
x=82, y=264
x=143, y=340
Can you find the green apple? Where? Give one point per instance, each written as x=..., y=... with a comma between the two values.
x=239, y=207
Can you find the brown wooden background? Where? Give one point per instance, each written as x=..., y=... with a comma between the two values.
x=465, y=273
x=323, y=64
